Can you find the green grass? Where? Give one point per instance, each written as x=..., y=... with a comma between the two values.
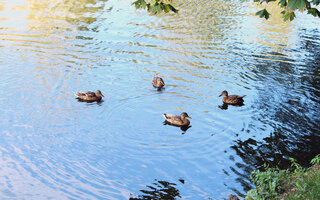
x=287, y=185
x=304, y=186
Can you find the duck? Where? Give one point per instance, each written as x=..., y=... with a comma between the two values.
x=177, y=120
x=233, y=197
x=231, y=99
x=157, y=82
x=89, y=96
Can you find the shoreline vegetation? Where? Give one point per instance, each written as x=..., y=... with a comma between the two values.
x=287, y=184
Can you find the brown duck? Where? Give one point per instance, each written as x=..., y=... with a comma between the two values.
x=177, y=120
x=90, y=96
x=231, y=99
x=157, y=82
x=233, y=197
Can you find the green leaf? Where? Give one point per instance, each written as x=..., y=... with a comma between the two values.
x=263, y=13
x=282, y=3
x=156, y=9
x=166, y=8
x=315, y=2
x=153, y=2
x=155, y=6
x=299, y=185
x=313, y=11
x=288, y=15
x=140, y=4
x=269, y=1
x=317, y=158
x=296, y=4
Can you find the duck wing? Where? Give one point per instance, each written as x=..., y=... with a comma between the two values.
x=85, y=94
x=168, y=116
x=154, y=80
x=172, y=118
x=91, y=94
x=235, y=97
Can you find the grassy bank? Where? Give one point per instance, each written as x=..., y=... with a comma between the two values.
x=299, y=183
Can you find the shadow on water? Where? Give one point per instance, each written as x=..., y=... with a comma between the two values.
x=288, y=102
x=160, y=89
x=93, y=101
x=182, y=128
x=160, y=190
x=224, y=106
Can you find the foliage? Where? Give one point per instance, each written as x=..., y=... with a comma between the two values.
x=305, y=185
x=296, y=166
x=263, y=13
x=316, y=160
x=268, y=183
x=155, y=6
x=290, y=7
x=275, y=184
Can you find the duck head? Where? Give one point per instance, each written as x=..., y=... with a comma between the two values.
x=160, y=82
x=99, y=94
x=224, y=93
x=184, y=115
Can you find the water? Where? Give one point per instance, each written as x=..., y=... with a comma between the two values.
x=55, y=147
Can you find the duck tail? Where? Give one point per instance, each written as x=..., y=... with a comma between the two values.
x=243, y=96
x=164, y=115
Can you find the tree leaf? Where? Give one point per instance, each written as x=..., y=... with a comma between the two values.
x=296, y=4
x=156, y=9
x=166, y=8
x=140, y=4
x=313, y=11
x=263, y=13
x=315, y=2
x=282, y=3
x=288, y=15
x=269, y=0
x=153, y=2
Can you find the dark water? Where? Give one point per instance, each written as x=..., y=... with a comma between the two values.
x=55, y=147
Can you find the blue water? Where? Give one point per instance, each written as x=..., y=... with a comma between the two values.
x=55, y=147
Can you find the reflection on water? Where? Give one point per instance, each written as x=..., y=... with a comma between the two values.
x=182, y=128
x=160, y=190
x=56, y=147
x=224, y=106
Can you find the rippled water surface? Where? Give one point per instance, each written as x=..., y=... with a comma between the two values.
x=55, y=147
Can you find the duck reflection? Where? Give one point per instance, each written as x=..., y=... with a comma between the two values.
x=224, y=106
x=92, y=102
x=182, y=128
x=159, y=190
x=185, y=128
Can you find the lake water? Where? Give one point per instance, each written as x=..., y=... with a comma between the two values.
x=55, y=147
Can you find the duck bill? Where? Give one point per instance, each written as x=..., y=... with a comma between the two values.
x=189, y=117
x=220, y=95
x=102, y=95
